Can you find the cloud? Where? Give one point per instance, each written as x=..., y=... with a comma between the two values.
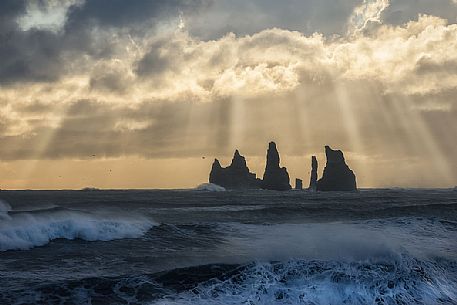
x=27, y=55
x=368, y=12
x=276, y=60
x=40, y=54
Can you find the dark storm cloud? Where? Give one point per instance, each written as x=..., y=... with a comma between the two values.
x=26, y=55
x=10, y=9
x=38, y=55
x=33, y=55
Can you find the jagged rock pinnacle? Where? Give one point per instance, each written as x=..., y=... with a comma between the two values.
x=337, y=175
x=275, y=177
x=235, y=176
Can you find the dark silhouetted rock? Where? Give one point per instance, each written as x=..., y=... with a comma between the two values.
x=275, y=177
x=337, y=175
x=235, y=176
x=298, y=184
x=313, y=178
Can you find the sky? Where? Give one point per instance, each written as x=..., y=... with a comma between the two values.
x=146, y=93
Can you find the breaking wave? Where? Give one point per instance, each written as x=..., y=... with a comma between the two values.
x=403, y=280
x=25, y=230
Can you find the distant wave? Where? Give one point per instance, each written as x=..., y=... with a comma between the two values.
x=25, y=230
x=4, y=209
x=404, y=280
x=211, y=187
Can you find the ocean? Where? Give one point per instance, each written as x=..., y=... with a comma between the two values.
x=375, y=246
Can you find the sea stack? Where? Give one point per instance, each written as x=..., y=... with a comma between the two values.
x=337, y=175
x=275, y=177
x=235, y=176
x=298, y=184
x=313, y=178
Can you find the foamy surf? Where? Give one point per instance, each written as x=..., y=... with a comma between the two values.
x=400, y=281
x=210, y=187
x=25, y=230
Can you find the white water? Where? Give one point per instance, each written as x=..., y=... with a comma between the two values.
x=210, y=187
x=25, y=230
x=401, y=281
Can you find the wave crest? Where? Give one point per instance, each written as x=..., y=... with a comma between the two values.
x=25, y=230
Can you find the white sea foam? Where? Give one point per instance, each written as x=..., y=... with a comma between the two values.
x=25, y=230
x=211, y=187
x=404, y=281
x=4, y=209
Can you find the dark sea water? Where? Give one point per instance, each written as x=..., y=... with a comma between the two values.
x=388, y=246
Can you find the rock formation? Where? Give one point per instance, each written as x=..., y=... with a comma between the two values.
x=235, y=176
x=298, y=184
x=275, y=177
x=337, y=175
x=313, y=179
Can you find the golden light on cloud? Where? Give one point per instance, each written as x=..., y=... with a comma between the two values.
x=274, y=60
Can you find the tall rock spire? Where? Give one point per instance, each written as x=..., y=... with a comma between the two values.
x=275, y=177
x=313, y=178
